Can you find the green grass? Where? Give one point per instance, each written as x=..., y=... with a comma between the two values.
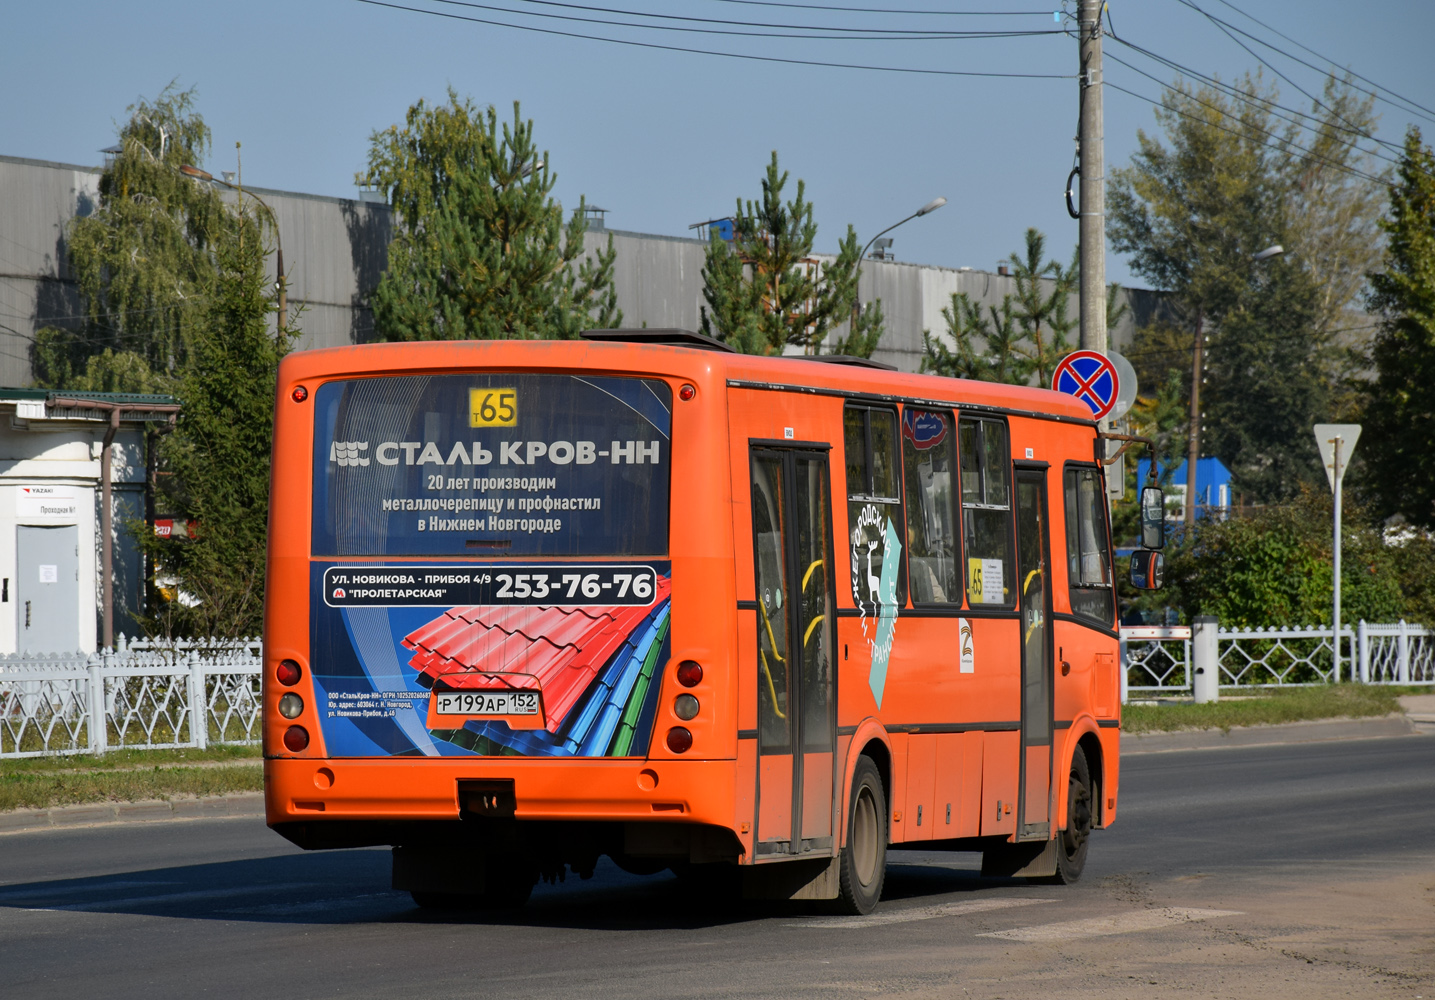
x=128, y=776
x=1284, y=705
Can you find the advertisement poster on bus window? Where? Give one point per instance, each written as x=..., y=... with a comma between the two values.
x=490, y=571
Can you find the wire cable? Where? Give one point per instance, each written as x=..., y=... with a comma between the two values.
x=713, y=52
x=1177, y=111
x=1300, y=120
x=879, y=10
x=1373, y=93
x=1226, y=30
x=905, y=32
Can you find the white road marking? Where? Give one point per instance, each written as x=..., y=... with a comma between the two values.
x=921, y=913
x=1121, y=923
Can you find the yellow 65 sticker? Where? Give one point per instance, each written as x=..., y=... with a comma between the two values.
x=493, y=408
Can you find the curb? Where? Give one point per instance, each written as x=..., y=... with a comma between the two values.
x=247, y=804
x=1318, y=731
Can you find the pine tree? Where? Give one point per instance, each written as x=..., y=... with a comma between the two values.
x=985, y=345
x=767, y=292
x=1041, y=315
x=481, y=250
x=1400, y=403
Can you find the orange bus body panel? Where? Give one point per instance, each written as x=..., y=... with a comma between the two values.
x=948, y=740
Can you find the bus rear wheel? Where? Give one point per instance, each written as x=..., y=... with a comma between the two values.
x=1072, y=843
x=863, y=862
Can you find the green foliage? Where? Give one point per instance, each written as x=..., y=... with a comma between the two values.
x=143, y=259
x=765, y=292
x=1191, y=215
x=1026, y=336
x=986, y=346
x=1271, y=707
x=1276, y=568
x=1400, y=404
x=481, y=251
x=218, y=455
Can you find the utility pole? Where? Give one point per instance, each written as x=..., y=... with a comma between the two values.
x=1092, y=158
x=1193, y=447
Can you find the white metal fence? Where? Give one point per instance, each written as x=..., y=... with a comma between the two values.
x=1159, y=660
x=142, y=694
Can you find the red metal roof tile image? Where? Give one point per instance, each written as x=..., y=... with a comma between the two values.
x=558, y=650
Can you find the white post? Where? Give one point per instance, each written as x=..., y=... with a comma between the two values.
x=1335, y=626
x=1206, y=656
x=99, y=714
x=1363, y=645
x=1125, y=681
x=1403, y=641
x=198, y=703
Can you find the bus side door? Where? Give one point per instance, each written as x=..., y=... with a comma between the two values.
x=796, y=683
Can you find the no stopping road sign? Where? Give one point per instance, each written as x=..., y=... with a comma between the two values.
x=1091, y=378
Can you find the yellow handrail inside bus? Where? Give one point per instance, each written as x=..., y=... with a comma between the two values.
x=811, y=625
x=771, y=688
x=770, y=637
x=808, y=575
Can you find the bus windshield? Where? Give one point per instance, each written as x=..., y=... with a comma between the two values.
x=491, y=464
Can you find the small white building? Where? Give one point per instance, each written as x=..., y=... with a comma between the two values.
x=51, y=539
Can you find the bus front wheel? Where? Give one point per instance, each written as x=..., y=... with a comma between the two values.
x=863, y=864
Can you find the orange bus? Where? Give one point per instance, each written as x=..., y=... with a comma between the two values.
x=531, y=603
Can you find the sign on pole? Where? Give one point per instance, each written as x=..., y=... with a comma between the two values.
x=1336, y=443
x=1326, y=436
x=1091, y=377
x=1126, y=385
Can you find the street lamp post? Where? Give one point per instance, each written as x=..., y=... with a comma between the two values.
x=926, y=209
x=1193, y=451
x=204, y=175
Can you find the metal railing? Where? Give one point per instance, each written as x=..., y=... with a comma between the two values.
x=140, y=695
x=1159, y=660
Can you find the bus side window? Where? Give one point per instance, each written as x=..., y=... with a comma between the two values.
x=986, y=511
x=1088, y=553
x=927, y=450
x=874, y=506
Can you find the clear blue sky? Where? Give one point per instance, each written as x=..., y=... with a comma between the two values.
x=663, y=139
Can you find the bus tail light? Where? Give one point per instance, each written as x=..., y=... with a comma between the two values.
x=685, y=706
x=291, y=706
x=288, y=673
x=680, y=740
x=300, y=394
x=296, y=738
x=690, y=673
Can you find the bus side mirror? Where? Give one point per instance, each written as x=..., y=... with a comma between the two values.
x=1153, y=518
x=1148, y=568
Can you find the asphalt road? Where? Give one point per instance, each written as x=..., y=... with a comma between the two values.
x=1297, y=871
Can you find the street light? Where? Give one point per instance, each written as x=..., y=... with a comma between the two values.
x=1193, y=451
x=929, y=207
x=204, y=175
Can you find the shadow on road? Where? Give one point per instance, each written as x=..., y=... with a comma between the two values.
x=352, y=887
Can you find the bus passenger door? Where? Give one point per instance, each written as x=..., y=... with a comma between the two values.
x=1033, y=572
x=796, y=696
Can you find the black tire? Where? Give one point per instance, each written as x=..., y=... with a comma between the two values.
x=1073, y=841
x=863, y=863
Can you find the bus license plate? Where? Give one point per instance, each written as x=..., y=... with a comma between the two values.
x=486, y=703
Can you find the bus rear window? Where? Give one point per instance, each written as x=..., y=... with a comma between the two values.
x=492, y=465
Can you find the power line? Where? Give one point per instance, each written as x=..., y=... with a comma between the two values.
x=902, y=32
x=1177, y=111
x=1373, y=93
x=879, y=10
x=1299, y=120
x=713, y=52
x=1226, y=30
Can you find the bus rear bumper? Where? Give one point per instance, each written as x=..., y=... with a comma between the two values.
x=315, y=790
